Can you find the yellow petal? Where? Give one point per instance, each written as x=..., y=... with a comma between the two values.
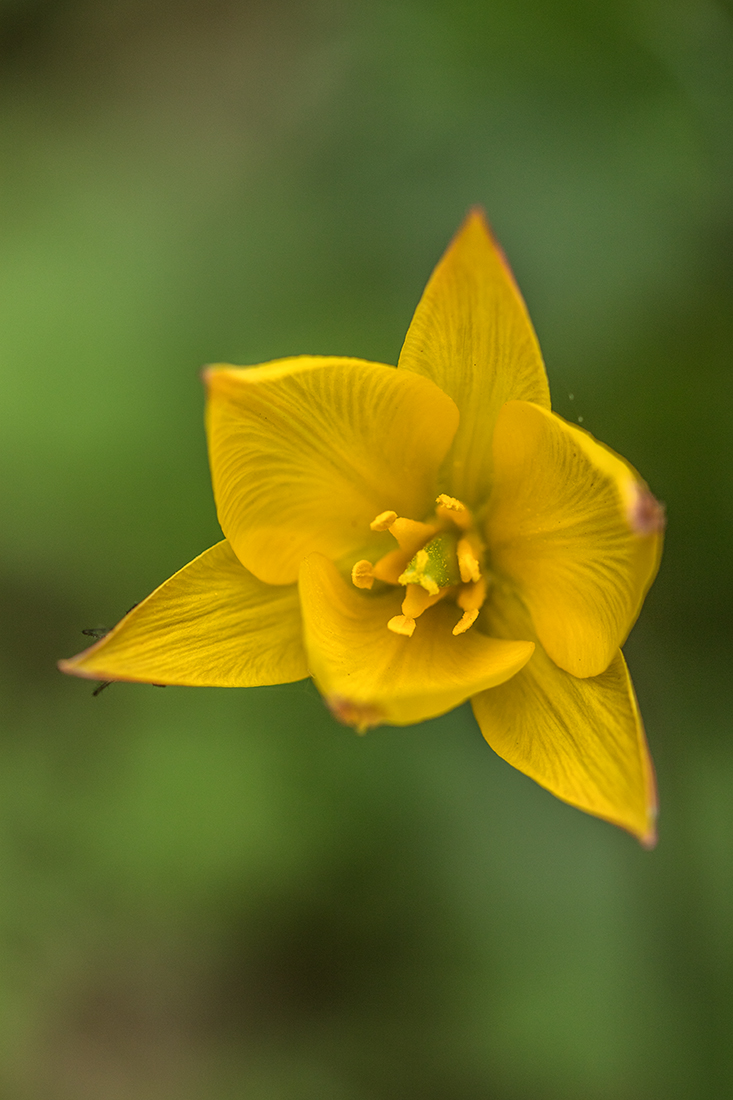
x=371, y=675
x=581, y=739
x=568, y=524
x=212, y=624
x=472, y=335
x=306, y=452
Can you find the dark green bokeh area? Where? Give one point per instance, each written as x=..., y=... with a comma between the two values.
x=224, y=894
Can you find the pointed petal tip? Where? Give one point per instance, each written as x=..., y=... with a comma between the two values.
x=477, y=215
x=68, y=665
x=645, y=830
x=478, y=218
x=642, y=826
x=648, y=838
x=212, y=624
x=471, y=335
x=645, y=833
x=74, y=666
x=475, y=219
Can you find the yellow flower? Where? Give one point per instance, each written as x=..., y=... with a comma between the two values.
x=415, y=537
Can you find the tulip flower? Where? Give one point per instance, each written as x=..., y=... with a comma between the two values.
x=416, y=537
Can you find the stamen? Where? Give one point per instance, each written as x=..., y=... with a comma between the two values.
x=383, y=521
x=402, y=624
x=391, y=566
x=472, y=597
x=362, y=575
x=451, y=503
x=411, y=534
x=454, y=510
x=434, y=560
x=468, y=563
x=467, y=620
x=418, y=599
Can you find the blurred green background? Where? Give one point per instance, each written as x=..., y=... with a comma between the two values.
x=224, y=894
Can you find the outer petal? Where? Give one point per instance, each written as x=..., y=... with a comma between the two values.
x=472, y=335
x=582, y=739
x=576, y=530
x=212, y=624
x=306, y=452
x=370, y=675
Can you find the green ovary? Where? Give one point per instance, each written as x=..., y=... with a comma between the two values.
x=435, y=566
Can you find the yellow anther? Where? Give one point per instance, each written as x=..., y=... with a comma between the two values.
x=468, y=618
x=468, y=563
x=383, y=521
x=402, y=624
x=471, y=598
x=454, y=510
x=362, y=575
x=451, y=503
x=411, y=534
x=418, y=599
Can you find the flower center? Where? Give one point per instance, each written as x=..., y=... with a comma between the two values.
x=439, y=558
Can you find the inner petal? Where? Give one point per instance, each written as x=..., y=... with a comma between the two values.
x=305, y=452
x=363, y=669
x=565, y=527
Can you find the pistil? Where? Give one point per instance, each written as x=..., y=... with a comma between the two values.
x=435, y=566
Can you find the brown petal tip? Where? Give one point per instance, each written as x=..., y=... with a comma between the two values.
x=360, y=716
x=647, y=516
